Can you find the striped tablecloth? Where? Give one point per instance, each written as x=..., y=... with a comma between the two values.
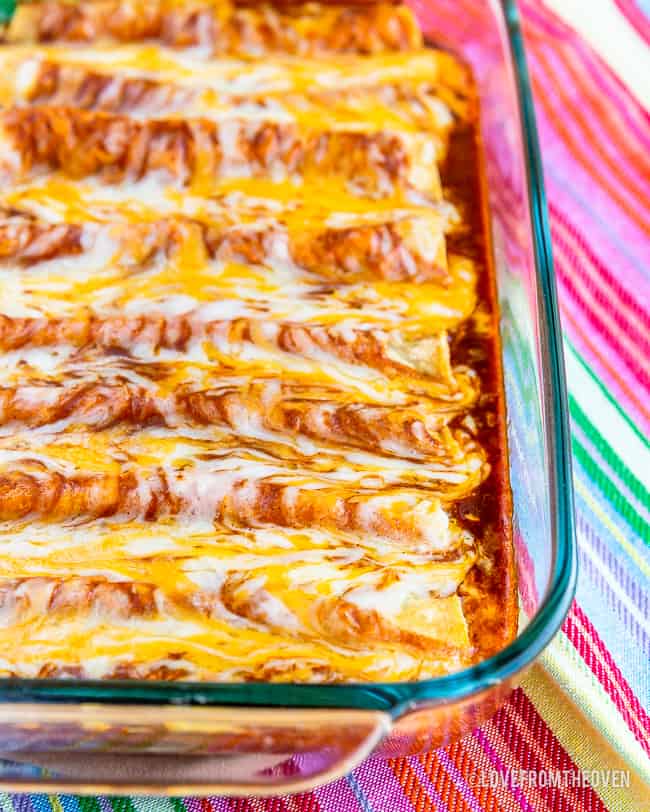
x=583, y=712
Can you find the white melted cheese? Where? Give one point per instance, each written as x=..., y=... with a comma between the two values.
x=236, y=601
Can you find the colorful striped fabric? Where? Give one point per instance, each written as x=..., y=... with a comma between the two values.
x=585, y=707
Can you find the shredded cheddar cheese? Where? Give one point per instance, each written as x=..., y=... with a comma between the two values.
x=234, y=429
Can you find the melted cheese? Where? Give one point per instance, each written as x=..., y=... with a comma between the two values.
x=236, y=465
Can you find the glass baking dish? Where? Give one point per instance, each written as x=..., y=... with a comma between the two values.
x=264, y=739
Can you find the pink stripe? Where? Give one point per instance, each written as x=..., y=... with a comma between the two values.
x=634, y=372
x=601, y=353
x=549, y=23
x=635, y=17
x=194, y=804
x=267, y=805
x=240, y=805
x=537, y=751
x=596, y=299
x=625, y=296
x=600, y=322
x=590, y=347
x=622, y=110
x=568, y=59
x=615, y=684
x=579, y=58
x=215, y=803
x=620, y=681
x=590, y=210
x=551, y=753
x=582, y=646
x=593, y=211
x=595, y=354
x=593, y=171
x=630, y=263
x=614, y=335
x=626, y=104
x=592, y=196
x=219, y=804
x=337, y=797
x=496, y=762
x=306, y=802
x=607, y=81
x=594, y=138
x=635, y=117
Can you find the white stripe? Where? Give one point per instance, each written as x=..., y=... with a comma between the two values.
x=617, y=42
x=143, y=804
x=5, y=801
x=572, y=674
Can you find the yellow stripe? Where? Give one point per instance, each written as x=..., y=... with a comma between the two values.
x=584, y=742
x=573, y=677
x=629, y=548
x=57, y=806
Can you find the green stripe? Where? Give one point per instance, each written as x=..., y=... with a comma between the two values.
x=610, y=491
x=601, y=386
x=178, y=805
x=608, y=453
x=618, y=531
x=88, y=804
x=122, y=804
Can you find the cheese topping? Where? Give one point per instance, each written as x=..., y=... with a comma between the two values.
x=234, y=432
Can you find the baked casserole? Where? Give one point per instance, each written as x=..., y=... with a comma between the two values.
x=251, y=407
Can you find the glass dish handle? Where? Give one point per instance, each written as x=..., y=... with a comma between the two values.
x=138, y=749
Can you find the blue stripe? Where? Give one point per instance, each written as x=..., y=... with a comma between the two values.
x=69, y=803
x=41, y=802
x=630, y=657
x=358, y=793
x=21, y=803
x=623, y=557
x=24, y=803
x=629, y=649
